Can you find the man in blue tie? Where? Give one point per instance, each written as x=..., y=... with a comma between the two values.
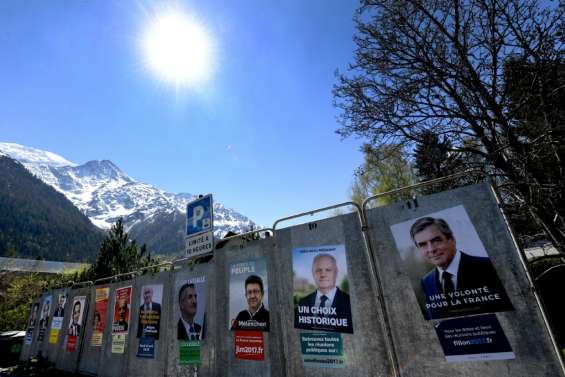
x=328, y=308
x=187, y=329
x=459, y=283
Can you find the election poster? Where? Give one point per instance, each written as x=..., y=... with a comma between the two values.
x=321, y=289
x=99, y=319
x=322, y=350
x=448, y=265
x=191, y=306
x=44, y=317
x=249, y=345
x=122, y=307
x=75, y=324
x=150, y=311
x=58, y=316
x=31, y=323
x=473, y=338
x=249, y=295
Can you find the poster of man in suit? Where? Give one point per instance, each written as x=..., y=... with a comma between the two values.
x=150, y=311
x=190, y=306
x=321, y=289
x=448, y=265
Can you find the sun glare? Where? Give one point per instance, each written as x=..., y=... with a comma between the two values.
x=178, y=49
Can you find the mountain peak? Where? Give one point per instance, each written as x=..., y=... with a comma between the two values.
x=33, y=155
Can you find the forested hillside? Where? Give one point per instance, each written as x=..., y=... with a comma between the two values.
x=37, y=221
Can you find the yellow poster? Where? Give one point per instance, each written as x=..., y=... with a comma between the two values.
x=99, y=319
x=118, y=343
x=53, y=336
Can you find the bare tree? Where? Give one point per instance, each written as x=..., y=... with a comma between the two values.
x=444, y=66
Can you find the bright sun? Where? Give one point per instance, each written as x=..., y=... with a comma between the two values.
x=178, y=48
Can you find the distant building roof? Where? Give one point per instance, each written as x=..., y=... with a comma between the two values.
x=32, y=265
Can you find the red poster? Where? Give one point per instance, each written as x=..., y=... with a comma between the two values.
x=249, y=345
x=122, y=306
x=71, y=343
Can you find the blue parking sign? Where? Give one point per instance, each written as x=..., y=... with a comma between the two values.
x=199, y=215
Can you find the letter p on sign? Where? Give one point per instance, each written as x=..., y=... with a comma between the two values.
x=198, y=215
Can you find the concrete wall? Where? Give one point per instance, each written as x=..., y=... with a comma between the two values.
x=365, y=349
x=416, y=344
x=138, y=366
x=90, y=357
x=115, y=364
x=25, y=354
x=226, y=363
x=68, y=361
x=51, y=350
x=181, y=275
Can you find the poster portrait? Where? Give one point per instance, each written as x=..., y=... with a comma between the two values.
x=249, y=295
x=75, y=324
x=122, y=307
x=191, y=304
x=151, y=297
x=321, y=289
x=59, y=313
x=31, y=322
x=34, y=313
x=448, y=265
x=77, y=312
x=99, y=318
x=44, y=316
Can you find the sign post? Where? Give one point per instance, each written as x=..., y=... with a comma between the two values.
x=200, y=226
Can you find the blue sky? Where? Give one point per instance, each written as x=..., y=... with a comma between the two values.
x=259, y=134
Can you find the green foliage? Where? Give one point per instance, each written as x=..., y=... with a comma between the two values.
x=385, y=168
x=19, y=291
x=119, y=254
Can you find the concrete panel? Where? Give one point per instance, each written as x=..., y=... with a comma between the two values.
x=42, y=344
x=26, y=352
x=37, y=344
x=90, y=357
x=66, y=360
x=416, y=344
x=51, y=350
x=226, y=363
x=365, y=349
x=115, y=364
x=141, y=366
x=208, y=322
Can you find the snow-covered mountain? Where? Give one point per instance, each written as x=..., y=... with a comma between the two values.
x=104, y=193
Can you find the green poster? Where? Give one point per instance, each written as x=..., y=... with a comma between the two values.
x=322, y=350
x=189, y=352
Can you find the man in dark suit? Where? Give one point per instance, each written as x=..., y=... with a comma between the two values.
x=60, y=311
x=255, y=316
x=187, y=329
x=74, y=327
x=459, y=284
x=328, y=308
x=149, y=315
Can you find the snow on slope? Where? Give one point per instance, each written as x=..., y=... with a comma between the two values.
x=104, y=193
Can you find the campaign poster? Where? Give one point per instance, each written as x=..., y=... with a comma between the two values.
x=99, y=318
x=119, y=343
x=448, y=265
x=75, y=324
x=31, y=323
x=322, y=350
x=249, y=295
x=191, y=307
x=122, y=307
x=249, y=345
x=473, y=338
x=321, y=289
x=59, y=314
x=44, y=316
x=150, y=311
